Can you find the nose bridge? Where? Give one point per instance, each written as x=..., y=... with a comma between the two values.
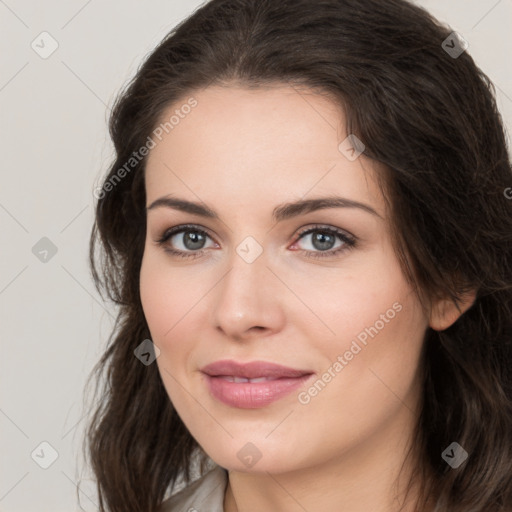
x=246, y=296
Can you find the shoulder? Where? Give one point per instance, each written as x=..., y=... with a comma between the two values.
x=206, y=494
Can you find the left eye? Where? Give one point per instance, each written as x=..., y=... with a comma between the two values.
x=193, y=239
x=323, y=239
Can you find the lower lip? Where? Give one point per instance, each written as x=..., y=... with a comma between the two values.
x=253, y=395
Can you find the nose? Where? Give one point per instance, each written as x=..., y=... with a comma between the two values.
x=248, y=300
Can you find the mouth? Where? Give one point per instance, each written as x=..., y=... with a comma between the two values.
x=252, y=385
x=252, y=371
x=231, y=378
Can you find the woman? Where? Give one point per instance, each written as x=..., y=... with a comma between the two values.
x=307, y=231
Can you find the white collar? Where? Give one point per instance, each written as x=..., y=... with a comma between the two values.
x=206, y=494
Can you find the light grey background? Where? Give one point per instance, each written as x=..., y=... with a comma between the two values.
x=55, y=147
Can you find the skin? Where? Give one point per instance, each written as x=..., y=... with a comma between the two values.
x=243, y=152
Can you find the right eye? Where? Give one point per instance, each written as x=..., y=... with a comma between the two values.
x=191, y=238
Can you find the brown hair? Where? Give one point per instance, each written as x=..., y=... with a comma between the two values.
x=432, y=120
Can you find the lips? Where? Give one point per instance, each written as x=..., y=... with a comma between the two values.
x=252, y=370
x=252, y=385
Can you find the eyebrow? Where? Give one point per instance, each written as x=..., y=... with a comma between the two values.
x=280, y=213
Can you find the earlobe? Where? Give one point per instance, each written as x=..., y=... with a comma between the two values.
x=445, y=313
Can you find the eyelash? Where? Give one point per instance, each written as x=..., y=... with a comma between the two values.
x=349, y=241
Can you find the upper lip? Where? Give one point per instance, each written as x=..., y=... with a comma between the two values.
x=252, y=370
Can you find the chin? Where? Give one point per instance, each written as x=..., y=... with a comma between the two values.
x=254, y=457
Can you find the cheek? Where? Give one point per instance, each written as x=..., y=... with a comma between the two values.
x=165, y=302
x=167, y=297
x=155, y=297
x=348, y=300
x=174, y=310
x=378, y=327
x=380, y=358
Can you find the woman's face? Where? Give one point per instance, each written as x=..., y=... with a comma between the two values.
x=266, y=282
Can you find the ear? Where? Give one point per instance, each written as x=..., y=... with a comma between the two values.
x=445, y=313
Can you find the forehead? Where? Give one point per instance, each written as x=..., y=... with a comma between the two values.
x=252, y=145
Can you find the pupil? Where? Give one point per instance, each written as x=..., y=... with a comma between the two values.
x=319, y=241
x=195, y=238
